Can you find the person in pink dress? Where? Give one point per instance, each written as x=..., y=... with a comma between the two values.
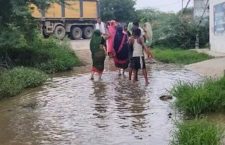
x=111, y=35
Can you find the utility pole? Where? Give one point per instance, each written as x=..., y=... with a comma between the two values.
x=182, y=4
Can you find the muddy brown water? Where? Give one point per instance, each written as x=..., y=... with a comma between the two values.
x=70, y=109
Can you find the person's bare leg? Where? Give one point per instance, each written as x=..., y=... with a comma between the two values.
x=119, y=72
x=130, y=73
x=123, y=72
x=145, y=76
x=135, y=75
x=92, y=75
x=100, y=76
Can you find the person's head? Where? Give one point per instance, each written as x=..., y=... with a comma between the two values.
x=113, y=23
x=99, y=20
x=125, y=28
x=136, y=24
x=96, y=33
x=107, y=24
x=137, y=32
x=119, y=29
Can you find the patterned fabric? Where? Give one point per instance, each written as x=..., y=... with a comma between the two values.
x=121, y=48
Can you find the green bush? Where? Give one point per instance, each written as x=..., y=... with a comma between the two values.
x=197, y=132
x=15, y=80
x=53, y=56
x=196, y=99
x=49, y=55
x=175, y=29
x=179, y=56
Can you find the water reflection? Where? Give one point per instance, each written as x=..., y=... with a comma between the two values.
x=72, y=110
x=131, y=105
x=101, y=104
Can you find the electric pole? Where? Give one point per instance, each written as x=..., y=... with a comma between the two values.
x=182, y=4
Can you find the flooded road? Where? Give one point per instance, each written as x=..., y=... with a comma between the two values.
x=72, y=110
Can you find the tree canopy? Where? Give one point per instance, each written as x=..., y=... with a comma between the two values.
x=121, y=10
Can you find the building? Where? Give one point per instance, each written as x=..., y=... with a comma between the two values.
x=217, y=25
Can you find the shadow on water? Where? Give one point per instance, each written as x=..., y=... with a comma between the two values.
x=72, y=110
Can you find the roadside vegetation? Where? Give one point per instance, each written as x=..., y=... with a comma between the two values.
x=48, y=55
x=22, y=46
x=197, y=132
x=15, y=80
x=194, y=101
x=197, y=99
x=175, y=30
x=179, y=56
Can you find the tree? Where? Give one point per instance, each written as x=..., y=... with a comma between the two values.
x=174, y=29
x=121, y=10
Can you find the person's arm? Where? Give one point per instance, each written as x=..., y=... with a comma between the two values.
x=131, y=41
x=103, y=45
x=146, y=49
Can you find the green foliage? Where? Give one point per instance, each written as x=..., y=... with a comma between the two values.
x=49, y=55
x=52, y=56
x=195, y=99
x=179, y=56
x=197, y=132
x=121, y=10
x=175, y=30
x=20, y=44
x=15, y=80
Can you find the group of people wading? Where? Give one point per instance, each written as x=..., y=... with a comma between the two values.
x=124, y=44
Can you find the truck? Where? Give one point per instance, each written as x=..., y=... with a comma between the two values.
x=75, y=18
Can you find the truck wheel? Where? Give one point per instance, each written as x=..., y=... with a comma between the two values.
x=60, y=32
x=76, y=33
x=87, y=32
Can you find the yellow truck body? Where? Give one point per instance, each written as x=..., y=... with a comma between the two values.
x=73, y=17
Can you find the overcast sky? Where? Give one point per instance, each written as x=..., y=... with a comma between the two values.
x=163, y=5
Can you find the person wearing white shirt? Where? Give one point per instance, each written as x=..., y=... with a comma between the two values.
x=100, y=26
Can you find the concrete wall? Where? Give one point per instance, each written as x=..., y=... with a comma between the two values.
x=217, y=26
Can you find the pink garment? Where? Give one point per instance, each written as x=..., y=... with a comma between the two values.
x=112, y=33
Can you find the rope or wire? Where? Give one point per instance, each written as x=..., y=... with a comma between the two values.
x=206, y=6
x=186, y=6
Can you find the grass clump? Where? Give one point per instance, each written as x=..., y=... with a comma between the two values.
x=196, y=99
x=197, y=132
x=179, y=56
x=15, y=80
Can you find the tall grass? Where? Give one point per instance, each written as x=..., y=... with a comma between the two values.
x=197, y=132
x=196, y=99
x=179, y=56
x=15, y=80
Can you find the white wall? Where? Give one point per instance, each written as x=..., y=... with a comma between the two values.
x=217, y=40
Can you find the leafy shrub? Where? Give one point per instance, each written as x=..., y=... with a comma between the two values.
x=52, y=56
x=175, y=30
x=15, y=80
x=49, y=55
